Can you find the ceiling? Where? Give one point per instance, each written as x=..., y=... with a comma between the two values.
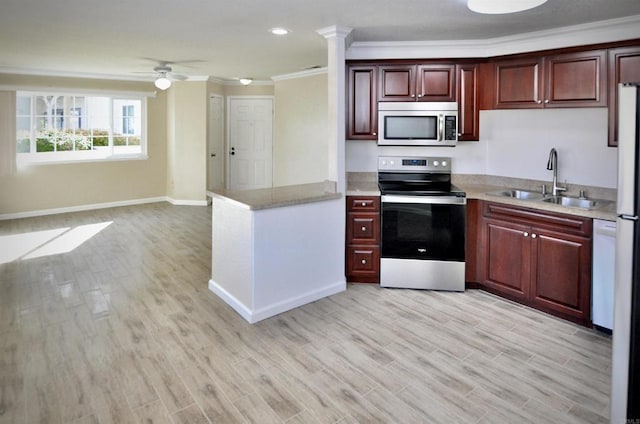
x=229, y=39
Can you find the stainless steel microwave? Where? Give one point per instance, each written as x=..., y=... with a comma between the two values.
x=417, y=123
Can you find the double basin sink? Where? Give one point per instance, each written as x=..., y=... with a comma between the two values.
x=572, y=202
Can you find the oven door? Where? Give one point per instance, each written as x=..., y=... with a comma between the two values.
x=423, y=227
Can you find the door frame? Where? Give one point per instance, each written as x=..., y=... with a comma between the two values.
x=223, y=143
x=227, y=143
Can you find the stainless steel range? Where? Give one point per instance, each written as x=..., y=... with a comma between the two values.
x=423, y=224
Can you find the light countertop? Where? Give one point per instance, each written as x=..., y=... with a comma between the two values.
x=365, y=184
x=275, y=197
x=482, y=192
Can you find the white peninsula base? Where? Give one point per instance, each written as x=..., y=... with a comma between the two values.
x=273, y=258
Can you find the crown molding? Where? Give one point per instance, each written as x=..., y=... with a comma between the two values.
x=254, y=82
x=301, y=74
x=592, y=33
x=65, y=74
x=335, y=31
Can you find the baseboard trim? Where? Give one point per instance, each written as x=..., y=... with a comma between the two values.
x=81, y=208
x=93, y=206
x=276, y=308
x=180, y=202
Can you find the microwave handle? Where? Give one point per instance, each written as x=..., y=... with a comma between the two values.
x=441, y=127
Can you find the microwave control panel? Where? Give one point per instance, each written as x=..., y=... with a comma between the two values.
x=450, y=128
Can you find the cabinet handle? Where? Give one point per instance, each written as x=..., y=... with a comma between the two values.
x=364, y=204
x=546, y=101
x=364, y=261
x=375, y=133
x=419, y=95
x=538, y=101
x=533, y=236
x=413, y=95
x=525, y=234
x=364, y=228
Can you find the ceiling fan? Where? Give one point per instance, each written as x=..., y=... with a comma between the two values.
x=165, y=74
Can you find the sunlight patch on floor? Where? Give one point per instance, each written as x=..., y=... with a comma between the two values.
x=44, y=243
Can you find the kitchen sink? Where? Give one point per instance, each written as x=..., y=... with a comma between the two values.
x=572, y=202
x=518, y=194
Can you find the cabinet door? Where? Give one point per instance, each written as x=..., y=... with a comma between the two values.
x=397, y=83
x=362, y=108
x=436, y=83
x=561, y=274
x=518, y=83
x=468, y=102
x=576, y=80
x=624, y=66
x=506, y=267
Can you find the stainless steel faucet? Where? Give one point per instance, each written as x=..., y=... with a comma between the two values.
x=552, y=165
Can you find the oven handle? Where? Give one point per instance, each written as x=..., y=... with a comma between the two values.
x=425, y=200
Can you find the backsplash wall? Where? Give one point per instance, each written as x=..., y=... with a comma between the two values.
x=516, y=143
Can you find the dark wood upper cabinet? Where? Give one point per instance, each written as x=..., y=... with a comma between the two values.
x=468, y=95
x=362, y=107
x=397, y=83
x=562, y=80
x=518, y=83
x=422, y=83
x=436, y=83
x=576, y=79
x=624, y=66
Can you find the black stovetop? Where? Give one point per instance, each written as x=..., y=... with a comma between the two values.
x=418, y=184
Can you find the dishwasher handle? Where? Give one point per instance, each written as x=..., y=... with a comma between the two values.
x=606, y=230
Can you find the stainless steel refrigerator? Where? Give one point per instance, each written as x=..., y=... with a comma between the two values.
x=625, y=384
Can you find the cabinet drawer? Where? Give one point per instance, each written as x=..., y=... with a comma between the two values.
x=363, y=228
x=570, y=224
x=363, y=203
x=363, y=264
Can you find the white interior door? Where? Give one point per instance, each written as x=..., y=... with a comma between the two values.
x=250, y=143
x=216, y=143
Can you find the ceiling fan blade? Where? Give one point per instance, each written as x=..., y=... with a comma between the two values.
x=176, y=77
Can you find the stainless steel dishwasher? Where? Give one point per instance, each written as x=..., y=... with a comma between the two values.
x=603, y=273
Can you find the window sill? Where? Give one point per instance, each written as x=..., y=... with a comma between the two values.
x=34, y=161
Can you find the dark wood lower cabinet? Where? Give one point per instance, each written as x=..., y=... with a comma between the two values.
x=363, y=239
x=507, y=259
x=561, y=274
x=540, y=259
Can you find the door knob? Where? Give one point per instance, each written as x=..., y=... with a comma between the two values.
x=233, y=151
x=213, y=155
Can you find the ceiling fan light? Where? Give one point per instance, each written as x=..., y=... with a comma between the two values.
x=246, y=81
x=497, y=7
x=279, y=31
x=162, y=83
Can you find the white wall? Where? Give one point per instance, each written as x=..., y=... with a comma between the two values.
x=516, y=143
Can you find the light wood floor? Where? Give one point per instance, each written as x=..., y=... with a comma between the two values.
x=123, y=329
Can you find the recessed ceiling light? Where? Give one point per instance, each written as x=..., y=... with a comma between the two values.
x=496, y=7
x=246, y=81
x=279, y=31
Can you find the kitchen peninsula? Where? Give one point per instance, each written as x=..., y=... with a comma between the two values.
x=275, y=249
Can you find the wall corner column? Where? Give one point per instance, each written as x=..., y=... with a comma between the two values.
x=336, y=37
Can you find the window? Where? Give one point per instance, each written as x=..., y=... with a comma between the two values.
x=127, y=119
x=72, y=127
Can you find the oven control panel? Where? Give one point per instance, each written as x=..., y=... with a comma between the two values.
x=413, y=164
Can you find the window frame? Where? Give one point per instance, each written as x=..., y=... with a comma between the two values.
x=109, y=153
